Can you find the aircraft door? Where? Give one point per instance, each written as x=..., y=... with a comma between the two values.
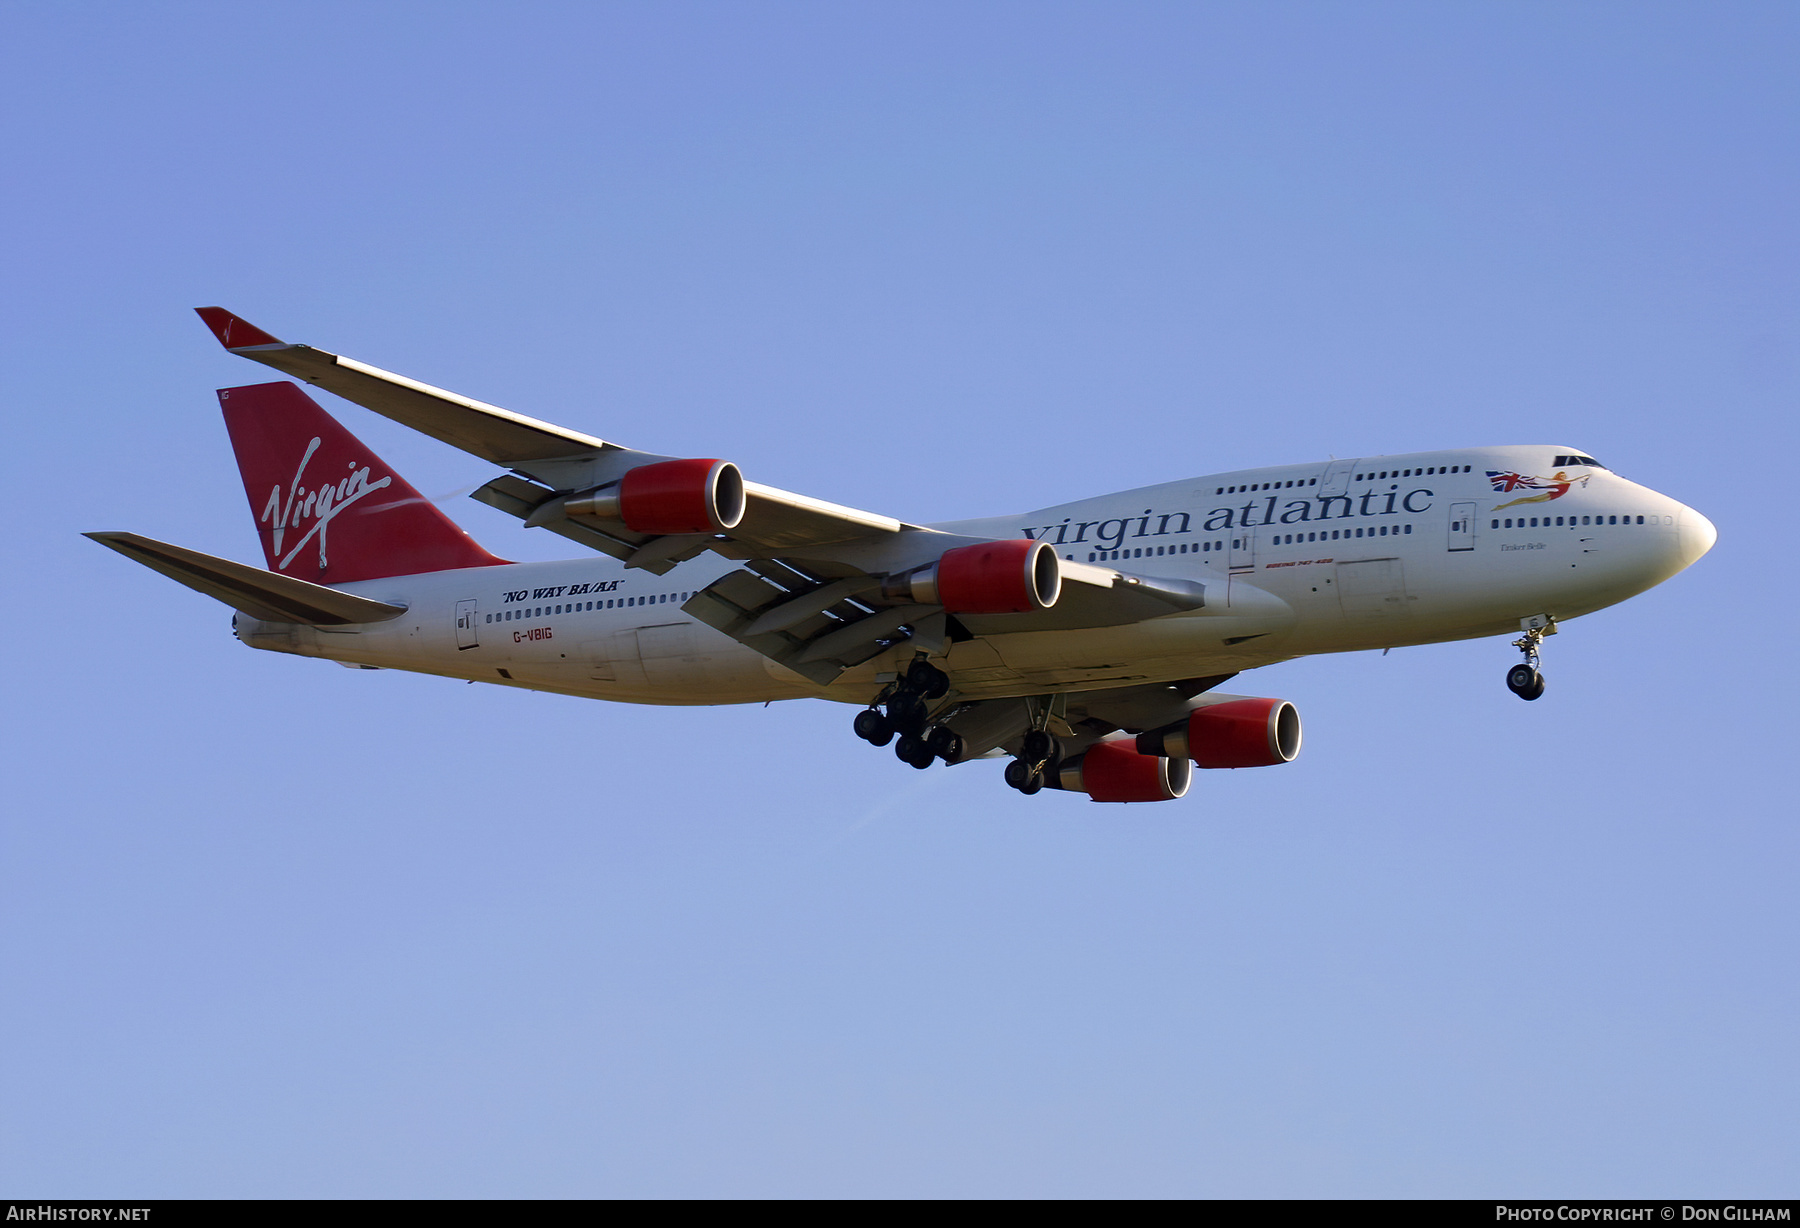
x=1337, y=477
x=465, y=625
x=1462, y=526
x=1243, y=549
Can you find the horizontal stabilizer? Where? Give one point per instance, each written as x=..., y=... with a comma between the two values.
x=258, y=593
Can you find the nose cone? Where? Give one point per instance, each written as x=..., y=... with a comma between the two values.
x=1695, y=534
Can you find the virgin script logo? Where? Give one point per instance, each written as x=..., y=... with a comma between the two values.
x=320, y=505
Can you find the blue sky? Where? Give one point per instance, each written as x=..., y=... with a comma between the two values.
x=270, y=927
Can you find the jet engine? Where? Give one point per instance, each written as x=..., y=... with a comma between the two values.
x=1001, y=577
x=1118, y=772
x=1233, y=733
x=678, y=496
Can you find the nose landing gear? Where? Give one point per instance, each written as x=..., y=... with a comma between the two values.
x=1523, y=679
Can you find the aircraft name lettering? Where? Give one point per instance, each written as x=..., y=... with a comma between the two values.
x=559, y=590
x=1260, y=510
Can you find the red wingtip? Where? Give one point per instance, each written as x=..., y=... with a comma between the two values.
x=233, y=333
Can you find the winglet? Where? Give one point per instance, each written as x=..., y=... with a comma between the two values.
x=233, y=333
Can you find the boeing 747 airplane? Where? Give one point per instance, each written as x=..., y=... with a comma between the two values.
x=1082, y=642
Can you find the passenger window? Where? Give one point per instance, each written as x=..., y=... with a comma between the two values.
x=1640, y=520
x=1409, y=528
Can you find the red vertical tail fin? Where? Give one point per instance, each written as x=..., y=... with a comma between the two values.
x=328, y=509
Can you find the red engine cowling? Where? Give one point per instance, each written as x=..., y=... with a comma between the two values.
x=678, y=496
x=1236, y=733
x=1117, y=772
x=1003, y=577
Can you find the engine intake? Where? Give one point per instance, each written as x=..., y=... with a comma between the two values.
x=678, y=496
x=1002, y=577
x=1118, y=772
x=1235, y=733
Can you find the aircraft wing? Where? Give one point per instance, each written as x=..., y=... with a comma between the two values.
x=483, y=430
x=555, y=462
x=824, y=587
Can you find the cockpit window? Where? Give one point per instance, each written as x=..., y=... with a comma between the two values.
x=1563, y=462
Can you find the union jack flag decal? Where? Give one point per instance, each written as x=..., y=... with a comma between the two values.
x=1506, y=483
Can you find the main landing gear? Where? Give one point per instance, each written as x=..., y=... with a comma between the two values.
x=1037, y=759
x=1523, y=679
x=904, y=709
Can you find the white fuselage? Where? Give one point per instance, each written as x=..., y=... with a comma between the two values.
x=1326, y=557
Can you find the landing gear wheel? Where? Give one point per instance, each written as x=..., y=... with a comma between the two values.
x=944, y=744
x=873, y=728
x=1525, y=682
x=906, y=714
x=927, y=680
x=1021, y=777
x=1041, y=746
x=912, y=750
